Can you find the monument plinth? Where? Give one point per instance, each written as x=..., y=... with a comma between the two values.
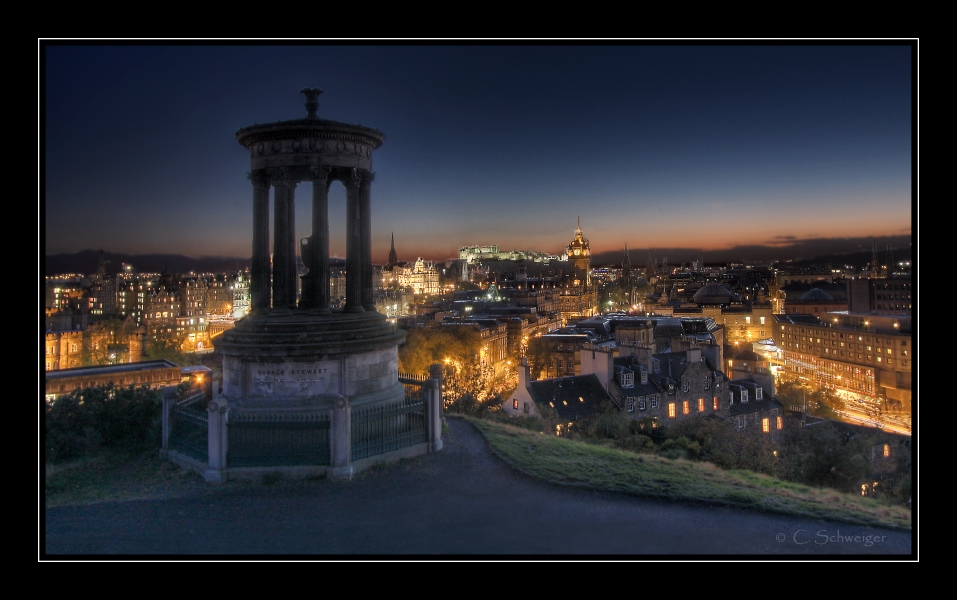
x=303, y=360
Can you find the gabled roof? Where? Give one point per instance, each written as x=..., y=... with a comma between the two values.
x=572, y=398
x=672, y=364
x=652, y=386
x=668, y=328
x=752, y=405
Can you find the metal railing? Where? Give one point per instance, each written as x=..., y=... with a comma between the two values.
x=189, y=428
x=222, y=437
x=381, y=429
x=263, y=440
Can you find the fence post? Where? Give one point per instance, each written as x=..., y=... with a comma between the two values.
x=433, y=396
x=216, y=435
x=340, y=439
x=168, y=402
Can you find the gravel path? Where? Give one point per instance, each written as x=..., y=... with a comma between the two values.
x=460, y=503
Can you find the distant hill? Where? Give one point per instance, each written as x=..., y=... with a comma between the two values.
x=835, y=251
x=851, y=251
x=87, y=262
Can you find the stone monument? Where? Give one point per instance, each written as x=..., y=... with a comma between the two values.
x=288, y=360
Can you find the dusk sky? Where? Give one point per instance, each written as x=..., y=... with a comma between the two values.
x=653, y=145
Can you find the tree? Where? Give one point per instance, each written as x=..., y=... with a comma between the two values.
x=538, y=355
x=425, y=346
x=822, y=455
x=169, y=346
x=105, y=416
x=613, y=297
x=108, y=342
x=457, y=348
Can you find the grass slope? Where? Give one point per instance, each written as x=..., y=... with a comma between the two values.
x=580, y=464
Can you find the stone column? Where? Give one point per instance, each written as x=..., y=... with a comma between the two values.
x=433, y=406
x=320, y=237
x=292, y=268
x=353, y=243
x=283, y=256
x=259, y=283
x=365, y=217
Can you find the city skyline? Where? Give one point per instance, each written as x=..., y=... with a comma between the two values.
x=652, y=145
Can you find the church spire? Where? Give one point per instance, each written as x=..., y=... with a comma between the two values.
x=393, y=258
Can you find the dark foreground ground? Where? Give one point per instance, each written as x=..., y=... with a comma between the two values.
x=460, y=503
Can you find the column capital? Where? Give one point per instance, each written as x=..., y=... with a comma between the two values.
x=350, y=178
x=365, y=179
x=320, y=174
x=279, y=176
x=258, y=178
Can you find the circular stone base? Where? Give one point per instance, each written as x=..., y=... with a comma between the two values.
x=285, y=356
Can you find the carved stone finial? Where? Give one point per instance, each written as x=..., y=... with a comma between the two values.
x=312, y=100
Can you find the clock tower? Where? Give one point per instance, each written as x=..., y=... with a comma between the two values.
x=579, y=255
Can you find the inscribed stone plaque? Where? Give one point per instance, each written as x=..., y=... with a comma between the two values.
x=294, y=379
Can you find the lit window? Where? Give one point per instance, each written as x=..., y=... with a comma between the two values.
x=779, y=422
x=671, y=410
x=685, y=407
x=700, y=404
x=714, y=403
x=515, y=403
x=766, y=425
x=887, y=450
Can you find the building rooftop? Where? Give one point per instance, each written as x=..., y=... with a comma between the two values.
x=108, y=369
x=572, y=398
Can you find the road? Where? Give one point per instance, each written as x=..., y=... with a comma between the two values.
x=462, y=503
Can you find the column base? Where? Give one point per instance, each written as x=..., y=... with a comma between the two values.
x=341, y=472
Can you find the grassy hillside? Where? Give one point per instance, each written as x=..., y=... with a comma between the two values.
x=577, y=463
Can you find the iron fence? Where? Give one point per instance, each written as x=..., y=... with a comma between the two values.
x=270, y=439
x=189, y=429
x=381, y=429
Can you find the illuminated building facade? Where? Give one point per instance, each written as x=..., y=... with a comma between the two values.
x=421, y=277
x=864, y=357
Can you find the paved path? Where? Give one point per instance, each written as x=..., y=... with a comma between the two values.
x=460, y=503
